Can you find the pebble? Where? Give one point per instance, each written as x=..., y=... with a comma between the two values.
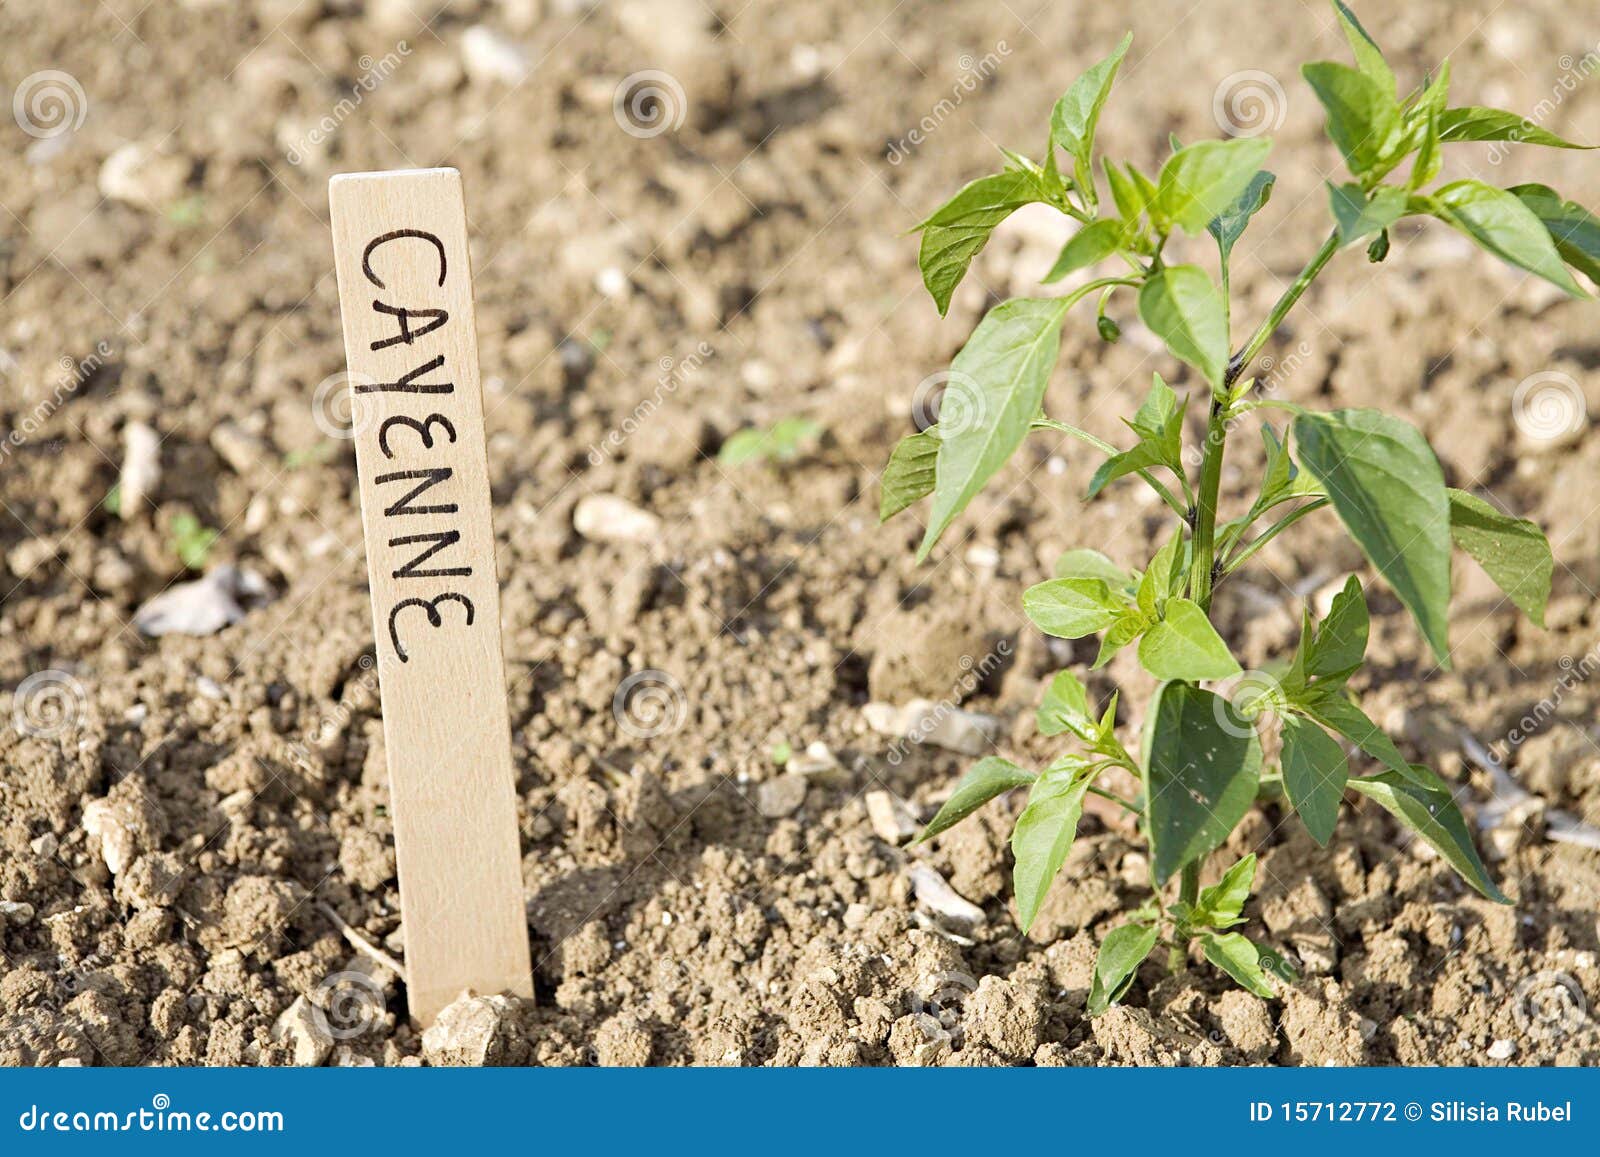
x=942, y=901
x=46, y=845
x=492, y=58
x=471, y=1031
x=204, y=606
x=15, y=912
x=138, y=175
x=1502, y=1050
x=141, y=467
x=609, y=518
x=345, y=1057
x=856, y=915
x=941, y=724
x=239, y=448
x=817, y=761
x=209, y=687
x=117, y=844
x=303, y=1026
x=781, y=796
x=891, y=819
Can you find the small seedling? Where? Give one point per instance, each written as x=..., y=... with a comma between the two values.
x=191, y=540
x=1199, y=764
x=784, y=441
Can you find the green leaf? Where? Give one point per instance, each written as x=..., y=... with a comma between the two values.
x=991, y=776
x=1043, y=836
x=1334, y=710
x=960, y=228
x=1202, y=765
x=1222, y=904
x=910, y=474
x=1473, y=123
x=1072, y=608
x=1387, y=488
x=1359, y=216
x=1005, y=368
x=1128, y=627
x=1431, y=812
x=1369, y=57
x=1314, y=774
x=1121, y=953
x=1500, y=223
x=1341, y=638
x=1363, y=116
x=1094, y=242
x=1205, y=180
x=1513, y=551
x=1240, y=958
x=1183, y=309
x=1164, y=576
x=1159, y=424
x=1575, y=230
x=1086, y=563
x=1077, y=113
x=1184, y=645
x=1229, y=225
x=1128, y=193
x=1065, y=707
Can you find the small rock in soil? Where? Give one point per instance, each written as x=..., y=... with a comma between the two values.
x=474, y=1030
x=817, y=761
x=1502, y=1050
x=490, y=58
x=782, y=796
x=139, y=175
x=15, y=912
x=942, y=901
x=303, y=1027
x=943, y=725
x=608, y=518
x=141, y=468
x=104, y=822
x=891, y=819
x=204, y=606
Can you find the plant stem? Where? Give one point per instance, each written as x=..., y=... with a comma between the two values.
x=1106, y=448
x=1271, y=532
x=1114, y=798
x=1188, y=893
x=1205, y=511
x=1270, y=323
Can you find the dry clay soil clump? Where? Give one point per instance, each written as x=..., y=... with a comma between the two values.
x=194, y=834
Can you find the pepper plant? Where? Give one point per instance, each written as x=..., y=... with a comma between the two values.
x=1199, y=765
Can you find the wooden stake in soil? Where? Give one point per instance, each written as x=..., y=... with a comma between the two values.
x=405, y=292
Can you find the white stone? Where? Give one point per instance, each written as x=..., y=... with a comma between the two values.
x=304, y=1027
x=45, y=845
x=141, y=468
x=103, y=822
x=491, y=58
x=204, y=606
x=138, y=175
x=1502, y=1050
x=468, y=1031
x=942, y=901
x=891, y=819
x=15, y=912
x=782, y=796
x=610, y=518
x=941, y=724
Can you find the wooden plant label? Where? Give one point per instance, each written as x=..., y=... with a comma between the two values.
x=405, y=293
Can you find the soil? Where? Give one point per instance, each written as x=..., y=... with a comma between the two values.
x=181, y=842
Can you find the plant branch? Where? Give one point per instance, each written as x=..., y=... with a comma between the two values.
x=1272, y=532
x=1114, y=798
x=1270, y=323
x=1181, y=509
